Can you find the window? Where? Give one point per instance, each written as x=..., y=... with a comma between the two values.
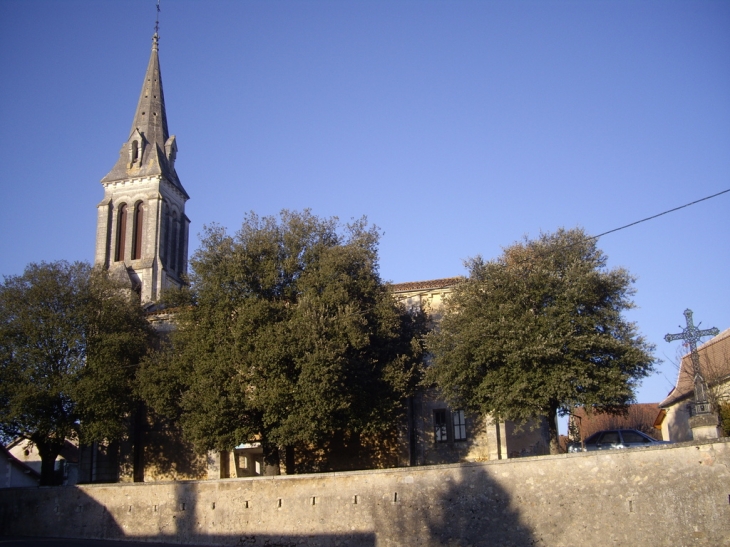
x=164, y=252
x=459, y=425
x=137, y=235
x=173, y=242
x=121, y=232
x=134, y=152
x=634, y=437
x=181, y=245
x=439, y=425
x=610, y=437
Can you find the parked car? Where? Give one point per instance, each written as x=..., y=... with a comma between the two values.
x=613, y=439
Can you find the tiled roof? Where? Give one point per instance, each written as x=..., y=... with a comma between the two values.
x=640, y=416
x=425, y=285
x=714, y=365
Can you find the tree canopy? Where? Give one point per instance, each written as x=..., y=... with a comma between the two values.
x=539, y=330
x=69, y=342
x=285, y=336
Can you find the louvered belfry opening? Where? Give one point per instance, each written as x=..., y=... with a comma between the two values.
x=121, y=232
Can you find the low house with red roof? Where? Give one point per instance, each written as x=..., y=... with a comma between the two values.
x=640, y=416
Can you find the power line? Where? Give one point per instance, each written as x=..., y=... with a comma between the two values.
x=660, y=214
x=589, y=238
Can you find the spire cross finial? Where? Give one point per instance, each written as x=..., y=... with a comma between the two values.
x=157, y=21
x=156, y=36
x=691, y=335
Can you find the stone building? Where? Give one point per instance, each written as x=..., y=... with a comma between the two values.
x=142, y=238
x=14, y=472
x=66, y=469
x=440, y=434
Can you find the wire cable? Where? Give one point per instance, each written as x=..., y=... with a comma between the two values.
x=541, y=254
x=660, y=214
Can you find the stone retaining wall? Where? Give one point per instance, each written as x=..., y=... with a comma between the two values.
x=676, y=495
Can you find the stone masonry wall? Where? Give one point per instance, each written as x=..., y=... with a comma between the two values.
x=665, y=496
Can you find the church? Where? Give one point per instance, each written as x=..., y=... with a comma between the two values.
x=142, y=240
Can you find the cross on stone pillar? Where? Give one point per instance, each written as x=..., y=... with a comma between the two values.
x=691, y=335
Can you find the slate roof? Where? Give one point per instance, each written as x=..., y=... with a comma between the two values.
x=714, y=366
x=426, y=285
x=150, y=120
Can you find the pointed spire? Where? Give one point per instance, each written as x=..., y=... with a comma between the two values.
x=151, y=118
x=149, y=150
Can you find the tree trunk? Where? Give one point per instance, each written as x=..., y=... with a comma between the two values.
x=271, y=459
x=289, y=459
x=552, y=420
x=48, y=453
x=139, y=420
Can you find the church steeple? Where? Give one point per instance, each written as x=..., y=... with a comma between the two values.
x=150, y=117
x=142, y=230
x=149, y=150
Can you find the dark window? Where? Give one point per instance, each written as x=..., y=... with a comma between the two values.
x=610, y=437
x=121, y=232
x=166, y=237
x=135, y=151
x=634, y=437
x=439, y=425
x=459, y=425
x=181, y=245
x=593, y=438
x=137, y=235
x=173, y=242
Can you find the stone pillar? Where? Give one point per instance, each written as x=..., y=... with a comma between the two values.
x=215, y=469
x=704, y=426
x=496, y=439
x=103, y=233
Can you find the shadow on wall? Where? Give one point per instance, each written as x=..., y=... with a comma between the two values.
x=462, y=506
x=167, y=455
x=455, y=509
x=452, y=506
x=55, y=511
x=678, y=427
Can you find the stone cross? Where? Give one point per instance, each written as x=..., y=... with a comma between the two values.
x=691, y=335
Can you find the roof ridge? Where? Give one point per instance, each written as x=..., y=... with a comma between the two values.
x=427, y=284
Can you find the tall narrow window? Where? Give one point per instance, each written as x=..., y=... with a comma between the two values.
x=181, y=245
x=459, y=425
x=134, y=152
x=439, y=425
x=121, y=232
x=173, y=242
x=164, y=252
x=137, y=234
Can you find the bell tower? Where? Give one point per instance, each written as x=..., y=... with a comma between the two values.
x=142, y=230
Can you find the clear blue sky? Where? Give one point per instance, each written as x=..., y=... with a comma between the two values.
x=457, y=127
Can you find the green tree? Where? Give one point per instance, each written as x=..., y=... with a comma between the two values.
x=540, y=330
x=69, y=342
x=286, y=335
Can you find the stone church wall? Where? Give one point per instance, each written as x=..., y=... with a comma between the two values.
x=659, y=496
